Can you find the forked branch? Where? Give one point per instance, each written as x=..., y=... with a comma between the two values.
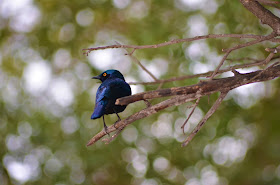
x=178, y=100
x=206, y=87
x=194, y=92
x=186, y=94
x=205, y=118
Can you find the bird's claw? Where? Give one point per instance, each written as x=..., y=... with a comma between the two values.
x=119, y=119
x=115, y=124
x=106, y=130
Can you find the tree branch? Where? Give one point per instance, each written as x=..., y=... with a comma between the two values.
x=139, y=63
x=268, y=2
x=178, y=100
x=263, y=14
x=207, y=87
x=228, y=51
x=206, y=117
x=240, y=66
x=273, y=50
x=186, y=94
x=189, y=93
x=175, y=41
x=194, y=106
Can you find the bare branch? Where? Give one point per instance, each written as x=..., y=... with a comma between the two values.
x=206, y=87
x=110, y=139
x=263, y=14
x=248, y=59
x=235, y=72
x=240, y=66
x=266, y=17
x=264, y=38
x=259, y=74
x=228, y=83
x=178, y=100
x=271, y=55
x=268, y=2
x=273, y=50
x=194, y=106
x=189, y=93
x=139, y=63
x=175, y=41
x=273, y=4
x=143, y=67
x=228, y=51
x=206, y=117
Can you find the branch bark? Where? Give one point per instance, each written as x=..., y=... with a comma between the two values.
x=263, y=14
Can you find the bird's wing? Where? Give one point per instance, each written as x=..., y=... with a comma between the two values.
x=101, y=102
x=119, y=88
x=102, y=93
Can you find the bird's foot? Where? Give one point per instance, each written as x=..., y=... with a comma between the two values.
x=106, y=130
x=115, y=124
x=119, y=119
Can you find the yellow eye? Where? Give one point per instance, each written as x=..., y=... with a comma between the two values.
x=104, y=74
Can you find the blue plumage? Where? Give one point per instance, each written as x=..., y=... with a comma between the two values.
x=113, y=87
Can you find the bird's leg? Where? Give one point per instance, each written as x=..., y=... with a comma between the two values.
x=118, y=118
x=105, y=126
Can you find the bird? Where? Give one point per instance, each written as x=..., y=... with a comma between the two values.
x=113, y=86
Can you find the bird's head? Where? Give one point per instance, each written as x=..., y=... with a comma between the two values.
x=111, y=73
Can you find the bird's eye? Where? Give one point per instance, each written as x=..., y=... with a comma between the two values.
x=104, y=74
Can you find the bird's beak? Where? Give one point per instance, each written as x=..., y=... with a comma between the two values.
x=96, y=77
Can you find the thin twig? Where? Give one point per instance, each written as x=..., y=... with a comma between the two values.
x=195, y=105
x=242, y=59
x=273, y=4
x=110, y=139
x=235, y=72
x=206, y=117
x=220, y=64
x=147, y=103
x=273, y=50
x=143, y=67
x=271, y=55
x=160, y=85
x=259, y=74
x=263, y=14
x=268, y=2
x=175, y=41
x=228, y=51
x=240, y=66
x=139, y=63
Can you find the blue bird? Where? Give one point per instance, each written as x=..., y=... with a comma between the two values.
x=113, y=87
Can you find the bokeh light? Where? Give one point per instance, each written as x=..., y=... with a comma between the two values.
x=47, y=95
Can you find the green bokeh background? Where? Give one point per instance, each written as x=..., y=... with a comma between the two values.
x=43, y=137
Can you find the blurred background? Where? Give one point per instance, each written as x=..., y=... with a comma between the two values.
x=47, y=95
